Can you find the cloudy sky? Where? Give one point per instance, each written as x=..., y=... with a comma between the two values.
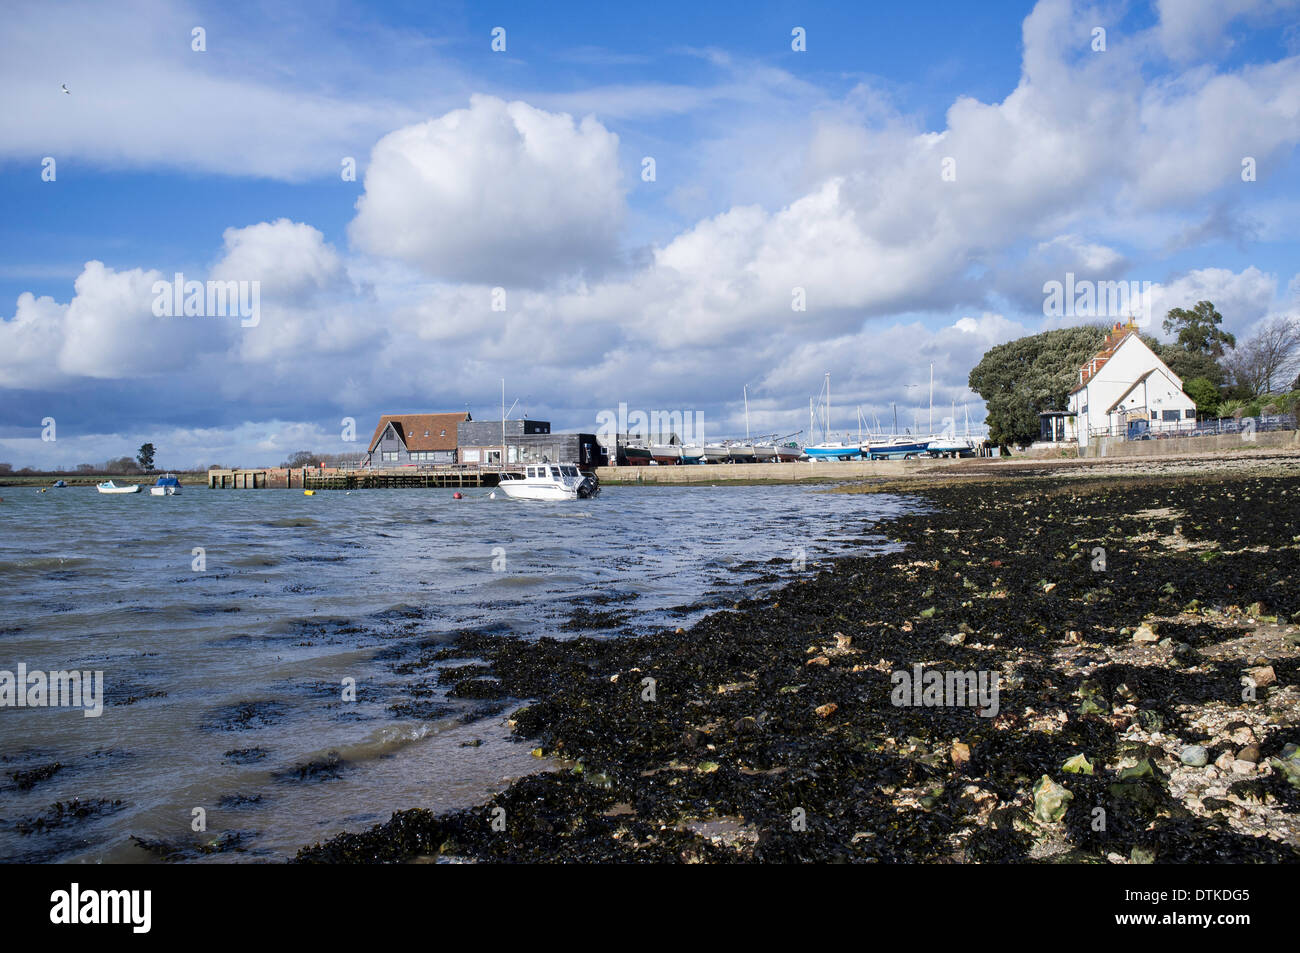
x=919, y=171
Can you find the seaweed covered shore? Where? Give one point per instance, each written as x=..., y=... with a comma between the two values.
x=1141, y=634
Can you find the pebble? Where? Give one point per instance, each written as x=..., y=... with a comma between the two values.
x=1242, y=767
x=1249, y=753
x=1244, y=736
x=1195, y=755
x=1145, y=634
x=1262, y=676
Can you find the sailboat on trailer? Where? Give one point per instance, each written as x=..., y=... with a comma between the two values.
x=827, y=449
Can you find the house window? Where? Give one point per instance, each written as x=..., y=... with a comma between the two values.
x=443, y=434
x=471, y=456
x=1170, y=414
x=390, y=456
x=1189, y=414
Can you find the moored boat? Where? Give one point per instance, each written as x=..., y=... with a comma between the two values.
x=108, y=486
x=166, y=485
x=549, y=482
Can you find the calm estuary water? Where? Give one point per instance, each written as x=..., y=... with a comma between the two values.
x=222, y=681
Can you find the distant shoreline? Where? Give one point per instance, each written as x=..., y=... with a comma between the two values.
x=91, y=479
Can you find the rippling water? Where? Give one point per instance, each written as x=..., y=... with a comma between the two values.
x=220, y=683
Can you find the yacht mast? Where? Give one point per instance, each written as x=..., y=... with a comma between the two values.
x=746, y=393
x=932, y=397
x=828, y=406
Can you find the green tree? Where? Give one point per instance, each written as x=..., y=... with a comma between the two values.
x=1022, y=378
x=1189, y=365
x=1198, y=329
x=144, y=456
x=1203, y=393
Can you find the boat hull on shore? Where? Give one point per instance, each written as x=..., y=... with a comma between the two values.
x=901, y=448
x=833, y=451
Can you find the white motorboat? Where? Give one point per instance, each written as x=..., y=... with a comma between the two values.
x=552, y=481
x=166, y=486
x=108, y=486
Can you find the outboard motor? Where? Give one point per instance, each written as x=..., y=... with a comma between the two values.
x=589, y=486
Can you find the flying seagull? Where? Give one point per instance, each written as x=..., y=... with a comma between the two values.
x=66, y=90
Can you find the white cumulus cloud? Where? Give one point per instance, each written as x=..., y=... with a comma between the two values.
x=499, y=193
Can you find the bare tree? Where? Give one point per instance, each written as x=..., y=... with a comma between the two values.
x=1267, y=358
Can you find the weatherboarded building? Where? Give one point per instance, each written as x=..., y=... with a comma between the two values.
x=525, y=441
x=403, y=439
x=426, y=439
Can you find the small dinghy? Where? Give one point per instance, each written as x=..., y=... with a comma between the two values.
x=166, y=486
x=108, y=486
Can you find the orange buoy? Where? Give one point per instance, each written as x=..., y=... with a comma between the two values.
x=456, y=496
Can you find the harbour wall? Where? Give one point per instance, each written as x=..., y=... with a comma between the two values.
x=767, y=472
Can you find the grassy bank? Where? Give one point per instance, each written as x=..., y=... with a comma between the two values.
x=771, y=733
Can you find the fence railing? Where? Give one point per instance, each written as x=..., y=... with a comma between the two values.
x=1161, y=430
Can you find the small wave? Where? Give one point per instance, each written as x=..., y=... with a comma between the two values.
x=43, y=564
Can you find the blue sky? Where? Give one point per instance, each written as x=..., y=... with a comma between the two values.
x=776, y=169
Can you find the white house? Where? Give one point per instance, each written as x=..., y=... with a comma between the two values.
x=1125, y=382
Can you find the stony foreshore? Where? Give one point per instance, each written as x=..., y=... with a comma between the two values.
x=1143, y=630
